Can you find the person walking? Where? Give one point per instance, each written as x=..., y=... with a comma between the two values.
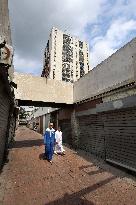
x=49, y=142
x=59, y=147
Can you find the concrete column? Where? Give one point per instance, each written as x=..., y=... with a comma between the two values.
x=57, y=121
x=75, y=129
x=5, y=30
x=4, y=21
x=43, y=123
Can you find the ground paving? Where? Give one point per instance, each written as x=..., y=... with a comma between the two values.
x=77, y=178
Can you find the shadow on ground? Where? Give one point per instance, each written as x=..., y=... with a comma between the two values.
x=103, y=165
x=5, y=160
x=42, y=156
x=27, y=143
x=78, y=198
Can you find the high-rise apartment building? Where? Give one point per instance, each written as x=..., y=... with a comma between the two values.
x=66, y=58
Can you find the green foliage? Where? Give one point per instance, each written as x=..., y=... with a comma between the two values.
x=22, y=113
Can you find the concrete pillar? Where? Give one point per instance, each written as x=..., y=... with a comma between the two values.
x=4, y=21
x=5, y=30
x=47, y=120
x=43, y=123
x=57, y=119
x=75, y=129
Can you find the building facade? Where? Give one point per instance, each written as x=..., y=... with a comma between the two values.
x=8, y=108
x=102, y=118
x=66, y=58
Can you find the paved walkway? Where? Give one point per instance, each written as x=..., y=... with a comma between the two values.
x=73, y=179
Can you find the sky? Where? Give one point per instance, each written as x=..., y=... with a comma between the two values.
x=106, y=25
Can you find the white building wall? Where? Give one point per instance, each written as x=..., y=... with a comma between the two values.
x=58, y=59
x=86, y=57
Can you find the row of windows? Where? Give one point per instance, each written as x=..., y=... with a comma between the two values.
x=67, y=72
x=53, y=73
x=54, y=53
x=67, y=52
x=80, y=44
x=69, y=39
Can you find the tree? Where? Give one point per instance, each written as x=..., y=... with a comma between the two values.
x=22, y=113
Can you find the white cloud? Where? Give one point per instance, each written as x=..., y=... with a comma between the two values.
x=25, y=65
x=119, y=30
x=104, y=46
x=32, y=20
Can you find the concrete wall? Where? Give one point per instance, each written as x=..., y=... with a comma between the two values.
x=42, y=89
x=117, y=70
x=120, y=94
x=4, y=21
x=5, y=28
x=7, y=124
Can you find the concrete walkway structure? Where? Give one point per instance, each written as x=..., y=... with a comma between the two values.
x=116, y=71
x=76, y=178
x=32, y=90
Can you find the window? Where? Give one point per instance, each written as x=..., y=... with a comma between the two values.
x=88, y=67
x=53, y=74
x=71, y=73
x=77, y=73
x=80, y=44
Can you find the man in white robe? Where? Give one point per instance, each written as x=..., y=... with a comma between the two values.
x=59, y=147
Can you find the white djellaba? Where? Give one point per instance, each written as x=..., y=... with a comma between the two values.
x=58, y=147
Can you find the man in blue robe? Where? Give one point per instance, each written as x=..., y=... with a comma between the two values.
x=49, y=142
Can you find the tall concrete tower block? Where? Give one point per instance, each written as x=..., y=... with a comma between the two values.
x=66, y=58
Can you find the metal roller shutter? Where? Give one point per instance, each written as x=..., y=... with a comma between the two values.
x=120, y=138
x=4, y=114
x=92, y=134
x=66, y=130
x=41, y=124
